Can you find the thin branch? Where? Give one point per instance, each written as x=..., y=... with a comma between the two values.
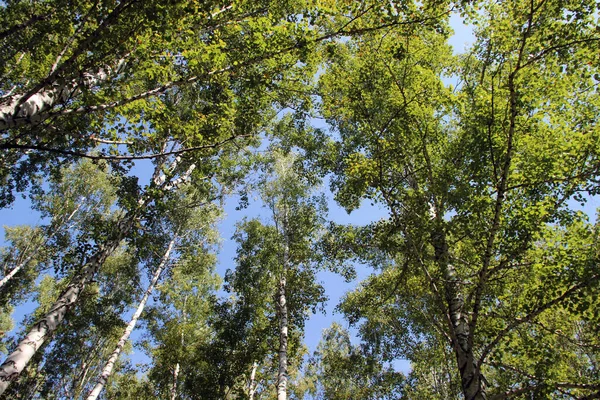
x=585, y=175
x=161, y=89
x=106, y=141
x=72, y=38
x=13, y=29
x=122, y=158
x=556, y=385
x=502, y=188
x=111, y=19
x=222, y=10
x=529, y=317
x=547, y=50
x=512, y=393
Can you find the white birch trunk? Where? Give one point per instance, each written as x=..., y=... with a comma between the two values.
x=108, y=367
x=177, y=367
x=21, y=265
x=283, y=341
x=175, y=377
x=460, y=330
x=252, y=384
x=21, y=110
x=16, y=362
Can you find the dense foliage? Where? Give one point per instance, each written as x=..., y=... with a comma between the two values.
x=131, y=125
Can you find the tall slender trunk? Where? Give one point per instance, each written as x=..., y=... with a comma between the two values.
x=108, y=367
x=175, y=377
x=82, y=380
x=87, y=363
x=14, y=364
x=22, y=264
x=460, y=332
x=282, y=311
x=177, y=367
x=252, y=384
x=283, y=341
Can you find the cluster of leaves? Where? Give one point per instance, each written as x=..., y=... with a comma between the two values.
x=485, y=277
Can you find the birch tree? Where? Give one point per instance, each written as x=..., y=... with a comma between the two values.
x=340, y=370
x=178, y=322
x=471, y=176
x=65, y=366
x=108, y=367
x=279, y=258
x=18, y=359
x=99, y=79
x=82, y=191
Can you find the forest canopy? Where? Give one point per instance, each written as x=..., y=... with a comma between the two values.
x=128, y=126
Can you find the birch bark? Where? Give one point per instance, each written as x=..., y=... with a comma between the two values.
x=109, y=366
x=177, y=366
x=32, y=109
x=283, y=341
x=283, y=318
x=175, y=377
x=252, y=384
x=16, y=362
x=460, y=332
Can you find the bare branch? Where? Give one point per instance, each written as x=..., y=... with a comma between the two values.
x=121, y=158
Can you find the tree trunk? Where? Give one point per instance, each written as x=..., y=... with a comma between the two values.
x=252, y=384
x=283, y=341
x=34, y=109
x=108, y=367
x=462, y=339
x=460, y=332
x=35, y=338
x=20, y=266
x=20, y=357
x=177, y=366
x=175, y=377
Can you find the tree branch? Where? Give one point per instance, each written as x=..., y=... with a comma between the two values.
x=547, y=50
x=117, y=157
x=41, y=115
x=527, y=318
x=13, y=29
x=540, y=384
x=502, y=188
